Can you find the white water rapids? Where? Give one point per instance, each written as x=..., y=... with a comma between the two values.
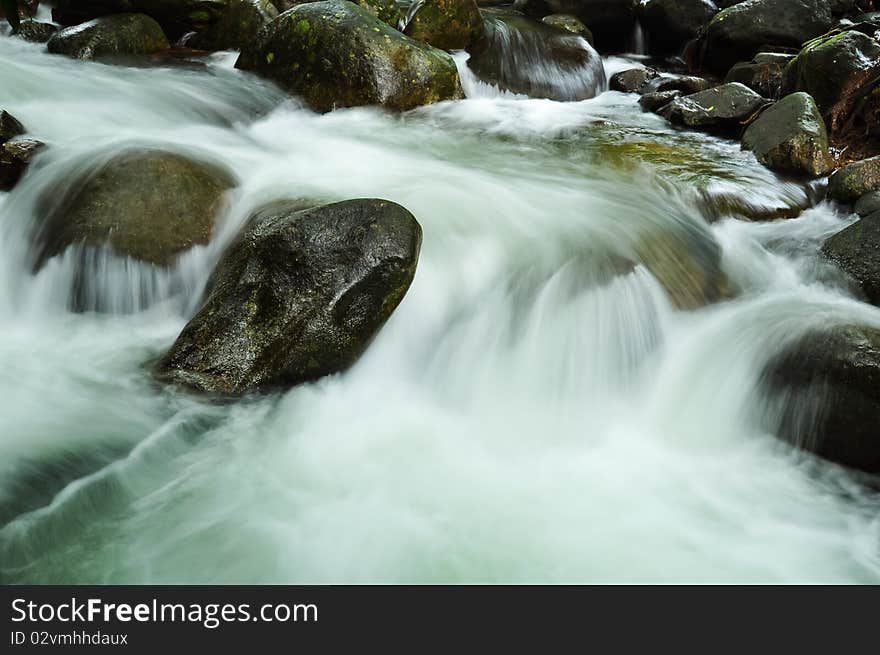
x=525, y=416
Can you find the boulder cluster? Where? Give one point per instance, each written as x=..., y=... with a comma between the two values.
x=303, y=288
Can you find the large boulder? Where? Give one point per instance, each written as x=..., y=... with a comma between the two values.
x=669, y=24
x=445, y=24
x=237, y=27
x=298, y=296
x=856, y=250
x=612, y=22
x=723, y=109
x=855, y=180
x=868, y=204
x=336, y=54
x=122, y=34
x=525, y=56
x=387, y=11
x=739, y=32
x=827, y=389
x=835, y=71
x=790, y=137
x=147, y=204
x=763, y=75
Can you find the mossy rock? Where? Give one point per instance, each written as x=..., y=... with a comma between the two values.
x=855, y=180
x=388, y=11
x=147, y=204
x=336, y=54
x=445, y=24
x=237, y=27
x=37, y=32
x=790, y=137
x=122, y=34
x=569, y=23
x=298, y=296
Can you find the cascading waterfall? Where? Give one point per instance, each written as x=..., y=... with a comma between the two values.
x=537, y=408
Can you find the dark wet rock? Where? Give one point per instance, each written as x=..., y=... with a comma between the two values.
x=15, y=156
x=763, y=75
x=669, y=24
x=10, y=126
x=612, y=22
x=36, y=32
x=633, y=80
x=723, y=109
x=856, y=250
x=739, y=32
x=122, y=34
x=387, y=11
x=868, y=204
x=525, y=56
x=827, y=388
x=336, y=54
x=569, y=23
x=298, y=296
x=237, y=27
x=790, y=137
x=835, y=70
x=26, y=9
x=687, y=84
x=656, y=100
x=175, y=16
x=855, y=180
x=446, y=24
x=147, y=204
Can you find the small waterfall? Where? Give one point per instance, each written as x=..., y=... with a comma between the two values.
x=638, y=41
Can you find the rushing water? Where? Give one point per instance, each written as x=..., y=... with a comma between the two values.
x=529, y=413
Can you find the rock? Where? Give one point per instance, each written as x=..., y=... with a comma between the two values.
x=175, y=16
x=834, y=70
x=237, y=27
x=36, y=32
x=856, y=250
x=385, y=10
x=612, y=22
x=868, y=204
x=298, y=296
x=445, y=24
x=763, y=75
x=122, y=34
x=147, y=204
x=9, y=126
x=15, y=155
x=687, y=84
x=723, y=109
x=524, y=56
x=656, y=100
x=569, y=23
x=855, y=180
x=669, y=24
x=827, y=384
x=632, y=80
x=738, y=32
x=310, y=50
x=790, y=137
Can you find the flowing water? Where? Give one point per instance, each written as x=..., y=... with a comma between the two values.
x=531, y=412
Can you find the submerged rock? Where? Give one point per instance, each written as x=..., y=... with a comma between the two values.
x=827, y=384
x=763, y=75
x=739, y=32
x=123, y=34
x=15, y=155
x=669, y=24
x=298, y=296
x=147, y=204
x=790, y=136
x=237, y=27
x=446, y=24
x=855, y=180
x=336, y=54
x=527, y=57
x=835, y=70
x=723, y=109
x=856, y=250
